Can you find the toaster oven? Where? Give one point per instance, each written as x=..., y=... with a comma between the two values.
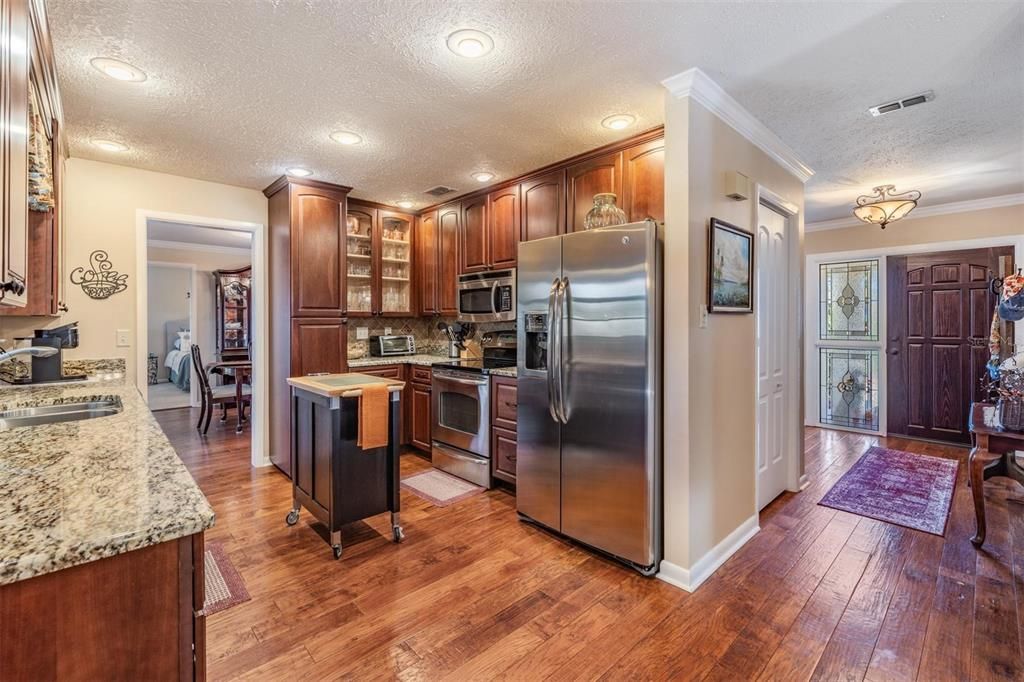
x=381, y=346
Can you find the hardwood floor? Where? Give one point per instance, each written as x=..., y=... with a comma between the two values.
x=475, y=594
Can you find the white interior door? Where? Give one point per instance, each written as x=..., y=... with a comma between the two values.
x=772, y=264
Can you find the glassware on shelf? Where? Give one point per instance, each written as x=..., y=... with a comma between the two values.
x=604, y=212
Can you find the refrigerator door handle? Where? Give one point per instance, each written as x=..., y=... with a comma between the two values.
x=563, y=379
x=551, y=356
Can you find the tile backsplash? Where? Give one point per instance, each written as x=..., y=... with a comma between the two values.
x=429, y=339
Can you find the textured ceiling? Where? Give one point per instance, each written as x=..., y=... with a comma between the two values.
x=238, y=90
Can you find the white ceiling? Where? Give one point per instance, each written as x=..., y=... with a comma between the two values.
x=165, y=231
x=238, y=90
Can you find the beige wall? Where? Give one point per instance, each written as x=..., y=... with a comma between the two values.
x=167, y=301
x=100, y=206
x=1007, y=221
x=710, y=452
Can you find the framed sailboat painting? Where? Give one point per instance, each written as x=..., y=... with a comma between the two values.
x=730, y=268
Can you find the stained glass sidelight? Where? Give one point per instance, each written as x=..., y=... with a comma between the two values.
x=848, y=299
x=849, y=388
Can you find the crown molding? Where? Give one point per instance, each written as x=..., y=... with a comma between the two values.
x=926, y=211
x=207, y=248
x=699, y=87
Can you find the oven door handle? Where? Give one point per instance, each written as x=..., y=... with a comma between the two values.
x=463, y=382
x=552, y=355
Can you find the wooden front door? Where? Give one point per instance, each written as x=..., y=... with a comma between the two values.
x=939, y=315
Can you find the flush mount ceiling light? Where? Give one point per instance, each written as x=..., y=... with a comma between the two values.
x=483, y=176
x=110, y=145
x=298, y=171
x=118, y=70
x=346, y=137
x=470, y=43
x=884, y=206
x=405, y=204
x=619, y=121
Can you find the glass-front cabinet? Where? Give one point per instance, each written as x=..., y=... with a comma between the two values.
x=233, y=292
x=379, y=261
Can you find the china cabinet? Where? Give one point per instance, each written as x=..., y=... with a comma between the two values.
x=233, y=306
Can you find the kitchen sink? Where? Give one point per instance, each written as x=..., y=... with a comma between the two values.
x=59, y=412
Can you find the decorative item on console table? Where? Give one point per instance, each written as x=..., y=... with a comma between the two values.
x=730, y=268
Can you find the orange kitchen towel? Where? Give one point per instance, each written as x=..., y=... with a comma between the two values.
x=373, y=417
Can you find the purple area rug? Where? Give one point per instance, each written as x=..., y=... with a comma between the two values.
x=898, y=487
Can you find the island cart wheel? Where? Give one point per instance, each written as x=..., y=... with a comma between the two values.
x=337, y=551
x=398, y=534
x=292, y=518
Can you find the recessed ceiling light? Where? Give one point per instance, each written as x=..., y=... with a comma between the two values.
x=405, y=204
x=118, y=70
x=619, y=121
x=298, y=172
x=483, y=176
x=110, y=145
x=346, y=137
x=470, y=43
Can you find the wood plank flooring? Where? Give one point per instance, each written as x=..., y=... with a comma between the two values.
x=475, y=594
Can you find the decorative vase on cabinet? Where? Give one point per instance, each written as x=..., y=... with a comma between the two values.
x=604, y=212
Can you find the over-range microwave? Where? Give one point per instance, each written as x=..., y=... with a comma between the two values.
x=488, y=296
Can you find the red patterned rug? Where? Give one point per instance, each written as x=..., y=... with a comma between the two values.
x=224, y=585
x=897, y=487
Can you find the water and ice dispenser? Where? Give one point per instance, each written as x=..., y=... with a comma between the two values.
x=536, y=325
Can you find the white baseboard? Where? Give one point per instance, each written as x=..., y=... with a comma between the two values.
x=702, y=569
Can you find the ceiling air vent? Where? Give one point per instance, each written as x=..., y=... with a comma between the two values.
x=439, y=191
x=896, y=105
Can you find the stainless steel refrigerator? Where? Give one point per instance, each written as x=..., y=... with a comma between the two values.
x=588, y=461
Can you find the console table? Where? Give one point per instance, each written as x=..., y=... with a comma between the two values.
x=992, y=456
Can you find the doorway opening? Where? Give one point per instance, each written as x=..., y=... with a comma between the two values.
x=200, y=331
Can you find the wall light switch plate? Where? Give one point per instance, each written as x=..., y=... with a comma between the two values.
x=703, y=319
x=362, y=333
x=124, y=338
x=387, y=331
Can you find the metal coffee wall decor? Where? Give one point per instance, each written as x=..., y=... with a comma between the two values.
x=100, y=281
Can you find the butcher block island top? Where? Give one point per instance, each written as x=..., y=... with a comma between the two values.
x=79, y=491
x=342, y=385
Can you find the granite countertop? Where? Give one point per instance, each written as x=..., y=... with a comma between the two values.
x=421, y=359
x=75, y=492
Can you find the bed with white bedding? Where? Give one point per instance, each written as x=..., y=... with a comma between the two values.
x=179, y=353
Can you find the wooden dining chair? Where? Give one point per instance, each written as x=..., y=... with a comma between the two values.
x=215, y=395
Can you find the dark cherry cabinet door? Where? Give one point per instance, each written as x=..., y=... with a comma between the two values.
x=503, y=455
x=319, y=345
x=939, y=316
x=543, y=206
x=419, y=409
x=362, y=235
x=427, y=263
x=317, y=252
x=503, y=237
x=643, y=181
x=474, y=235
x=448, y=217
x=587, y=178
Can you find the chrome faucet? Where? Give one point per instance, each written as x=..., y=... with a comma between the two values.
x=35, y=351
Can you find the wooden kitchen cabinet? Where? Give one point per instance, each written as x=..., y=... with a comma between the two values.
x=14, y=138
x=643, y=185
x=587, y=178
x=543, y=206
x=503, y=215
x=379, y=262
x=420, y=418
x=317, y=238
x=474, y=235
x=427, y=264
x=307, y=324
x=131, y=616
x=504, y=406
x=448, y=219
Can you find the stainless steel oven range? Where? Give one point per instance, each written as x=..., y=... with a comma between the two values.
x=461, y=409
